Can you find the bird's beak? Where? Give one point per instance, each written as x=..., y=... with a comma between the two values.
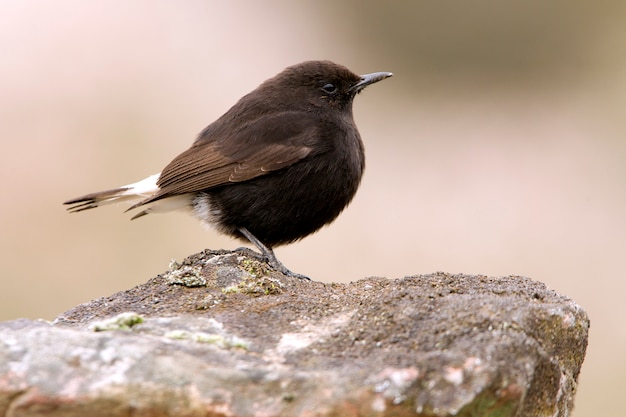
x=368, y=79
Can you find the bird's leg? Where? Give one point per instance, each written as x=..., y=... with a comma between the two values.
x=269, y=254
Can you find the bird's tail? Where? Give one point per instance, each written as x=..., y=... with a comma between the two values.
x=132, y=193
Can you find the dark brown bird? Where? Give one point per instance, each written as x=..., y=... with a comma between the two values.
x=284, y=161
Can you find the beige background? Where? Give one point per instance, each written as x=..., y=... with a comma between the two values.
x=498, y=148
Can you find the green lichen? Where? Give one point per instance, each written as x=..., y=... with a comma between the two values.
x=224, y=342
x=255, y=280
x=177, y=334
x=123, y=321
x=493, y=404
x=256, y=286
x=233, y=289
x=255, y=268
x=186, y=275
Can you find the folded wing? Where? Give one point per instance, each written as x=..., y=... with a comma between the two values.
x=221, y=157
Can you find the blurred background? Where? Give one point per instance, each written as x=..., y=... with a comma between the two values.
x=497, y=148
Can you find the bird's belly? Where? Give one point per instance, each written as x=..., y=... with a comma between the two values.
x=282, y=206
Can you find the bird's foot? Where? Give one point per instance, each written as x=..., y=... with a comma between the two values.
x=272, y=260
x=278, y=266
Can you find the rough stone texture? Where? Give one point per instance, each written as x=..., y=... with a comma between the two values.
x=222, y=335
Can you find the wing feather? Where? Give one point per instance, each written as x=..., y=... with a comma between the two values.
x=219, y=158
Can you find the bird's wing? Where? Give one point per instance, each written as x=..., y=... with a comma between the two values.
x=245, y=152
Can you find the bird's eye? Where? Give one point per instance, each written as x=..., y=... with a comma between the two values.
x=329, y=88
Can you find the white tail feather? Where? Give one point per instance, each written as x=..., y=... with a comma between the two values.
x=129, y=193
x=141, y=189
x=132, y=193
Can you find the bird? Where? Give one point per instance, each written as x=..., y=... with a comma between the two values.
x=280, y=164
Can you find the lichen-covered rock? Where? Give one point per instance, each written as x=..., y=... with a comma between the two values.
x=221, y=334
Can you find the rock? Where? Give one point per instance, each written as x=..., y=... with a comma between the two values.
x=223, y=335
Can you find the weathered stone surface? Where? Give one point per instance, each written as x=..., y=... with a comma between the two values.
x=222, y=335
